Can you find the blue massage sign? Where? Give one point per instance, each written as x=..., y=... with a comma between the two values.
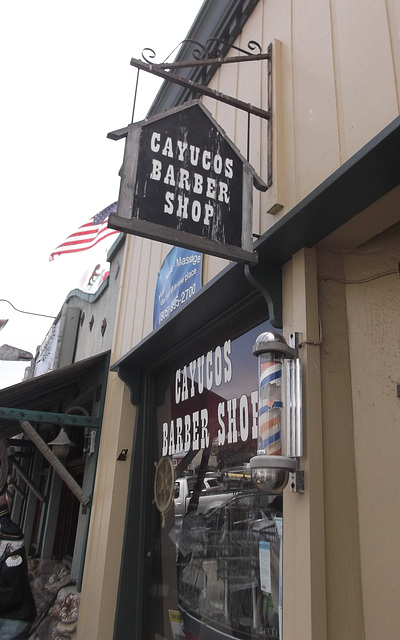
x=178, y=280
x=185, y=183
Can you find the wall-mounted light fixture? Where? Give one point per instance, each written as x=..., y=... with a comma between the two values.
x=61, y=445
x=90, y=442
x=279, y=414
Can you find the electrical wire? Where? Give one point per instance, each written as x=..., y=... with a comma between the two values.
x=42, y=315
x=361, y=281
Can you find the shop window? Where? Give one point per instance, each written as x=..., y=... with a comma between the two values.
x=215, y=540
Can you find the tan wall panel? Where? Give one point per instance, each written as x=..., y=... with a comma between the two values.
x=277, y=26
x=269, y=20
x=360, y=357
x=393, y=8
x=149, y=267
x=316, y=140
x=128, y=295
x=339, y=88
x=210, y=103
x=373, y=316
x=252, y=81
x=245, y=82
x=142, y=262
x=343, y=568
x=212, y=267
x=225, y=83
x=366, y=91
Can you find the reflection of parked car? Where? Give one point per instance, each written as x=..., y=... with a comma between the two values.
x=229, y=571
x=212, y=494
x=237, y=477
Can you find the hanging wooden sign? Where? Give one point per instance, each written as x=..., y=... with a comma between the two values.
x=185, y=183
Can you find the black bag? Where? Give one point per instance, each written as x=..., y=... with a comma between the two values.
x=16, y=599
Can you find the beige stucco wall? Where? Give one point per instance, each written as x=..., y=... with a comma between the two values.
x=336, y=85
x=341, y=548
x=360, y=360
x=342, y=559
x=373, y=309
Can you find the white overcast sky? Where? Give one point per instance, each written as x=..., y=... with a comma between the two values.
x=66, y=81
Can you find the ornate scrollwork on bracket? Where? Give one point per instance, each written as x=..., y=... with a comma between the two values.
x=206, y=55
x=211, y=50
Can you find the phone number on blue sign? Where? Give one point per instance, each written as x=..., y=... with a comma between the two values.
x=177, y=302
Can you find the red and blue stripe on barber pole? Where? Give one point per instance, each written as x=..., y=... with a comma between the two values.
x=270, y=408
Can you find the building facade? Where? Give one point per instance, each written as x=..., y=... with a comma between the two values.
x=327, y=235
x=63, y=393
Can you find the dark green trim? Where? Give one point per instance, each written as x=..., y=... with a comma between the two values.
x=223, y=303
x=365, y=178
x=47, y=416
x=131, y=602
x=90, y=489
x=51, y=392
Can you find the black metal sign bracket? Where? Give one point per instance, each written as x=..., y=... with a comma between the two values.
x=165, y=71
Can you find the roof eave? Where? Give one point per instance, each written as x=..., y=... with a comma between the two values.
x=223, y=20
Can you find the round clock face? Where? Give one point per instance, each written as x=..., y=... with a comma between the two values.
x=3, y=464
x=164, y=484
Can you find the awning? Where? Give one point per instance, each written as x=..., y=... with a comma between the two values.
x=51, y=392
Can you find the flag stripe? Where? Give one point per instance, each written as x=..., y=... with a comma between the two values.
x=87, y=239
x=88, y=235
x=75, y=247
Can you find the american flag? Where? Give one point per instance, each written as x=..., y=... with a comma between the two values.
x=88, y=235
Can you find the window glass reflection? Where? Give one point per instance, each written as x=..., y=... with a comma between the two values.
x=216, y=551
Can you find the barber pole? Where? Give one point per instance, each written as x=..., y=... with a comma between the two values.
x=270, y=405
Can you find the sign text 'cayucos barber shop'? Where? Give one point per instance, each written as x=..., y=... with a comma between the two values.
x=203, y=408
x=185, y=183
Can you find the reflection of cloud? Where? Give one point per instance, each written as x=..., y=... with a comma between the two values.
x=244, y=366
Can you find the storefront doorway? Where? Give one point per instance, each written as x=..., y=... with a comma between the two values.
x=212, y=542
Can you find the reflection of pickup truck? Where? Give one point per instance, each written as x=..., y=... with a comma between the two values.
x=212, y=494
